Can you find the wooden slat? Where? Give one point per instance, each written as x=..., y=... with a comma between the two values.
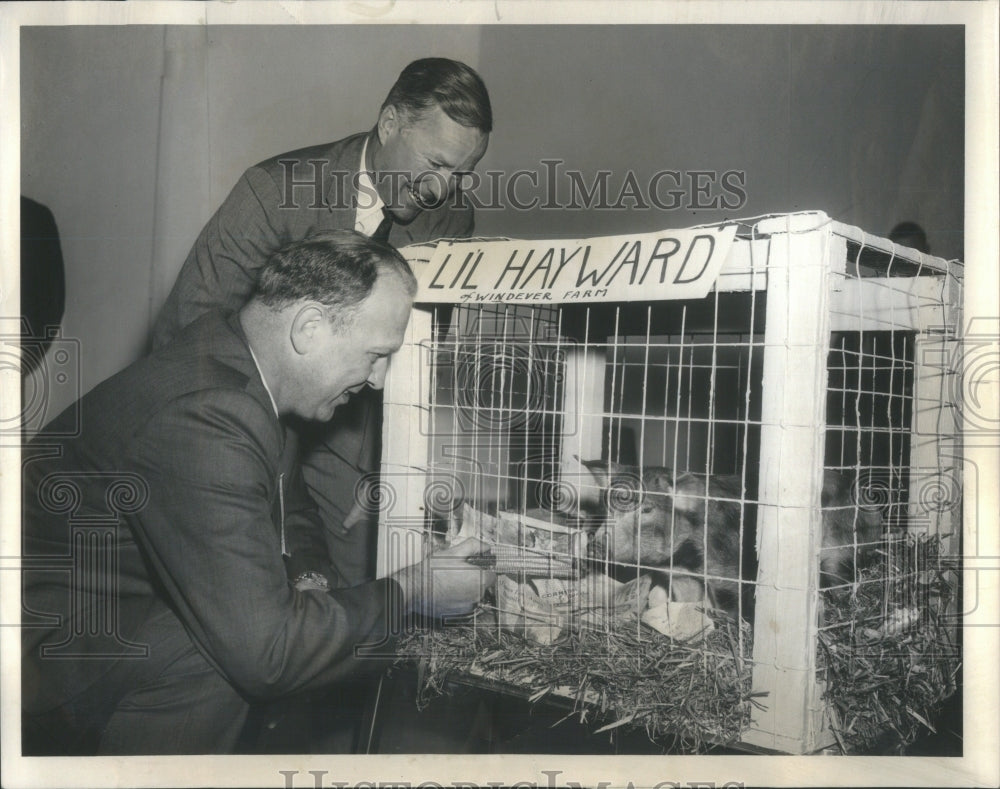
x=887, y=304
x=789, y=520
x=792, y=224
x=923, y=261
x=404, y=449
x=808, y=221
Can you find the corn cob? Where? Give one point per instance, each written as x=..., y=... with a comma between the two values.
x=515, y=560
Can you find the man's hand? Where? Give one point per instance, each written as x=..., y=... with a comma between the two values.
x=444, y=583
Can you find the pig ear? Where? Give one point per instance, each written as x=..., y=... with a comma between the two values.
x=659, y=481
x=602, y=470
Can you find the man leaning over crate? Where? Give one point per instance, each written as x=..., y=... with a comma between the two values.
x=173, y=495
x=398, y=179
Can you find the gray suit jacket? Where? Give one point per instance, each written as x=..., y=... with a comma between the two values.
x=181, y=469
x=275, y=203
x=281, y=200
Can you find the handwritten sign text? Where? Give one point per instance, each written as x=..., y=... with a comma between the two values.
x=675, y=264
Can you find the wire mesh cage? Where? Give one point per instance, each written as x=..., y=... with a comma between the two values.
x=724, y=518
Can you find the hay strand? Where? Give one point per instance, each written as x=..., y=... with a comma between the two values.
x=630, y=676
x=887, y=680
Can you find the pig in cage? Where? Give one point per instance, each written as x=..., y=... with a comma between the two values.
x=732, y=517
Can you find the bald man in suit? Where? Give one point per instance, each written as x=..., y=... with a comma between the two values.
x=198, y=577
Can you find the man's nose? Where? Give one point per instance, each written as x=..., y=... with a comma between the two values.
x=376, y=379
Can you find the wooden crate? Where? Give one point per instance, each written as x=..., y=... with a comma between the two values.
x=816, y=347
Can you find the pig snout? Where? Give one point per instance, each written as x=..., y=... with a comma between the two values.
x=614, y=540
x=600, y=544
x=684, y=529
x=642, y=536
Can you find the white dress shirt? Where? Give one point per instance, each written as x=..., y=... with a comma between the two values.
x=368, y=214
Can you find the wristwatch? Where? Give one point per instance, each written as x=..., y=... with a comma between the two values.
x=311, y=580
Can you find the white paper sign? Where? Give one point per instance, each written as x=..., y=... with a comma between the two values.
x=670, y=264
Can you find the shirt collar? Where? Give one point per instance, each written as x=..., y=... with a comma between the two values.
x=368, y=214
x=263, y=380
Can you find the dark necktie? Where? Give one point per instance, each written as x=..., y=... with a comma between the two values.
x=382, y=231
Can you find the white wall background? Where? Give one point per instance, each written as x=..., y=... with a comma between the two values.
x=133, y=135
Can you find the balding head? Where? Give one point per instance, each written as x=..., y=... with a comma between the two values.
x=336, y=268
x=327, y=314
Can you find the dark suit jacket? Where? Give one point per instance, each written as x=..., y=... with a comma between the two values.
x=182, y=458
x=266, y=211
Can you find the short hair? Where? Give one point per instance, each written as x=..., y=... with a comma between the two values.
x=453, y=86
x=337, y=268
x=910, y=234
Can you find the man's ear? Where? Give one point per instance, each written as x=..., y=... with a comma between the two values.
x=389, y=122
x=307, y=326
